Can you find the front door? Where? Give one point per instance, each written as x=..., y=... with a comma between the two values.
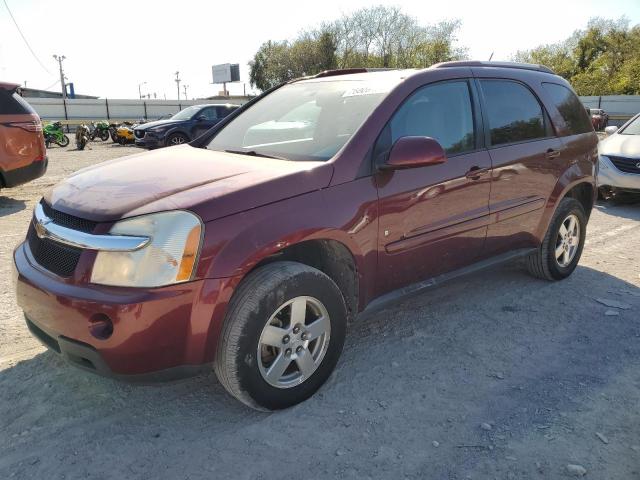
x=433, y=219
x=203, y=121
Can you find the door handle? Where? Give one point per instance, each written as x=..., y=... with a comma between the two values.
x=476, y=172
x=551, y=153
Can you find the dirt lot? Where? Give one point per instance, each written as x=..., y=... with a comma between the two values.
x=494, y=376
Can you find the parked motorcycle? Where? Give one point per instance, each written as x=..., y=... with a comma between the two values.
x=99, y=130
x=125, y=134
x=113, y=132
x=82, y=136
x=53, y=134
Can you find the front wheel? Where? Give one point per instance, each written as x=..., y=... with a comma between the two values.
x=562, y=246
x=104, y=135
x=282, y=336
x=176, y=139
x=64, y=141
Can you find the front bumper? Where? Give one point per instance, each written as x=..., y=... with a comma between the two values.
x=150, y=141
x=18, y=176
x=610, y=176
x=158, y=334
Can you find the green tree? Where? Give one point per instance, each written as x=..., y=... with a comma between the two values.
x=378, y=36
x=602, y=59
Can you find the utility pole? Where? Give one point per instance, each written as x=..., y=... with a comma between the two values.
x=178, y=83
x=184, y=87
x=140, y=90
x=60, y=58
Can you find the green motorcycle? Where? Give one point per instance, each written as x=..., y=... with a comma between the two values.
x=99, y=130
x=53, y=134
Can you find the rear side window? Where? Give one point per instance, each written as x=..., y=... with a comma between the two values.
x=441, y=111
x=13, y=104
x=513, y=112
x=569, y=106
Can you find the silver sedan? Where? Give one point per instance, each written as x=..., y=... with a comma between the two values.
x=619, y=159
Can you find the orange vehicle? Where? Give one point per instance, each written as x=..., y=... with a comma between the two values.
x=22, y=151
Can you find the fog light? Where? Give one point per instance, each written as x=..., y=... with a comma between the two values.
x=100, y=326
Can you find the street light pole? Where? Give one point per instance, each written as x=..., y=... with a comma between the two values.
x=60, y=58
x=178, y=83
x=140, y=90
x=184, y=87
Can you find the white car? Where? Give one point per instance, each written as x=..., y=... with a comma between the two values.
x=619, y=159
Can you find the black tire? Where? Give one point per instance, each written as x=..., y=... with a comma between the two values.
x=176, y=139
x=64, y=142
x=257, y=298
x=104, y=135
x=543, y=263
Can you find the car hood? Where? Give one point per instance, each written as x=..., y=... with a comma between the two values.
x=212, y=184
x=621, y=145
x=158, y=123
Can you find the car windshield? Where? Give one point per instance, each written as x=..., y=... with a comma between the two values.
x=309, y=120
x=186, y=113
x=633, y=128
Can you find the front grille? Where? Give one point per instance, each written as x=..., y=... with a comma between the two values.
x=66, y=220
x=626, y=165
x=53, y=256
x=139, y=133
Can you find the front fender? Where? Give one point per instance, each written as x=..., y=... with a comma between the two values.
x=233, y=245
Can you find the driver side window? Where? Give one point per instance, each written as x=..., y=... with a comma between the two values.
x=209, y=113
x=442, y=111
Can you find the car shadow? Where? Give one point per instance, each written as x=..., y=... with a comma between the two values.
x=10, y=205
x=494, y=347
x=626, y=209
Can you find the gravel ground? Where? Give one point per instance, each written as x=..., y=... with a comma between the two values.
x=496, y=375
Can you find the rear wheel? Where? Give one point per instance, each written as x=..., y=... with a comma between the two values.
x=176, y=139
x=64, y=141
x=282, y=336
x=562, y=246
x=104, y=135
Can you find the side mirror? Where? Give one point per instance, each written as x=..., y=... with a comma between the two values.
x=413, y=152
x=611, y=130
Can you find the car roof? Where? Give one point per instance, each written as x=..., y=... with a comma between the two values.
x=360, y=74
x=215, y=105
x=398, y=75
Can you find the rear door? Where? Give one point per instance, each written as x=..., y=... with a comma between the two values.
x=524, y=151
x=433, y=219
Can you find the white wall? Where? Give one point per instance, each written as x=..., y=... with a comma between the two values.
x=619, y=107
x=116, y=110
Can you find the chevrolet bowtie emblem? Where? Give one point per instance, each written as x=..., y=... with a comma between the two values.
x=40, y=225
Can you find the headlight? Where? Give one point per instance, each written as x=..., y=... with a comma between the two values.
x=170, y=257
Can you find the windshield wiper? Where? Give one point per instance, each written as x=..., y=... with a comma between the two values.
x=253, y=153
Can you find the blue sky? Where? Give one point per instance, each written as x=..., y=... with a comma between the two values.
x=112, y=47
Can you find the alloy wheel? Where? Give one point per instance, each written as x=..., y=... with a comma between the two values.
x=568, y=240
x=294, y=341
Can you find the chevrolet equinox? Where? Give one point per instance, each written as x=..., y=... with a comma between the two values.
x=250, y=248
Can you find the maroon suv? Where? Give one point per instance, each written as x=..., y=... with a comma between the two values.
x=253, y=246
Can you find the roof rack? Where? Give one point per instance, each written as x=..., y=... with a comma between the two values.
x=477, y=63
